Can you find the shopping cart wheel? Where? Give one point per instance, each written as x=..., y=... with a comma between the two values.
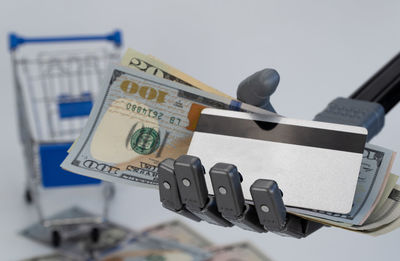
x=95, y=234
x=28, y=196
x=55, y=238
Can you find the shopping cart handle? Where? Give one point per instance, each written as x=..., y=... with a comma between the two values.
x=16, y=40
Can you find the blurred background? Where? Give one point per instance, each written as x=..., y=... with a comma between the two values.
x=322, y=50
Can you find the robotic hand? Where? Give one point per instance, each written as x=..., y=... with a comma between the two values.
x=183, y=189
x=182, y=183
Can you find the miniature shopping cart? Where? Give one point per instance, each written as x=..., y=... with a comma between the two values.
x=55, y=91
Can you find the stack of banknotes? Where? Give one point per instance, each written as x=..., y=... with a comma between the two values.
x=147, y=111
x=169, y=241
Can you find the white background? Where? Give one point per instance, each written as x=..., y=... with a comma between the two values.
x=322, y=49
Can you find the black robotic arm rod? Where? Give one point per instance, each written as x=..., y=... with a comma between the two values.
x=383, y=87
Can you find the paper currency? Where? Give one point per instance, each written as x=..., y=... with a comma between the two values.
x=388, y=189
x=138, y=121
x=385, y=229
x=76, y=240
x=148, y=248
x=374, y=173
x=177, y=231
x=239, y=252
x=51, y=257
x=395, y=198
x=152, y=65
x=388, y=213
x=377, y=211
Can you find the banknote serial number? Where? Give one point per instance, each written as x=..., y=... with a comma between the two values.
x=152, y=113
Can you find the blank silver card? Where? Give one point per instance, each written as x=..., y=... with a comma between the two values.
x=315, y=164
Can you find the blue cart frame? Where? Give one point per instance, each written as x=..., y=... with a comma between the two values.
x=53, y=104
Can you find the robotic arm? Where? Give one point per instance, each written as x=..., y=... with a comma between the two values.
x=183, y=188
x=182, y=184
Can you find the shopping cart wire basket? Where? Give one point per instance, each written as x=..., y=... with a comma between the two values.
x=55, y=92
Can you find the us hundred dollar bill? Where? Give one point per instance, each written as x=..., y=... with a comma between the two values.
x=154, y=66
x=151, y=248
x=388, y=213
x=373, y=177
x=80, y=246
x=242, y=251
x=52, y=257
x=392, y=215
x=139, y=120
x=178, y=231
